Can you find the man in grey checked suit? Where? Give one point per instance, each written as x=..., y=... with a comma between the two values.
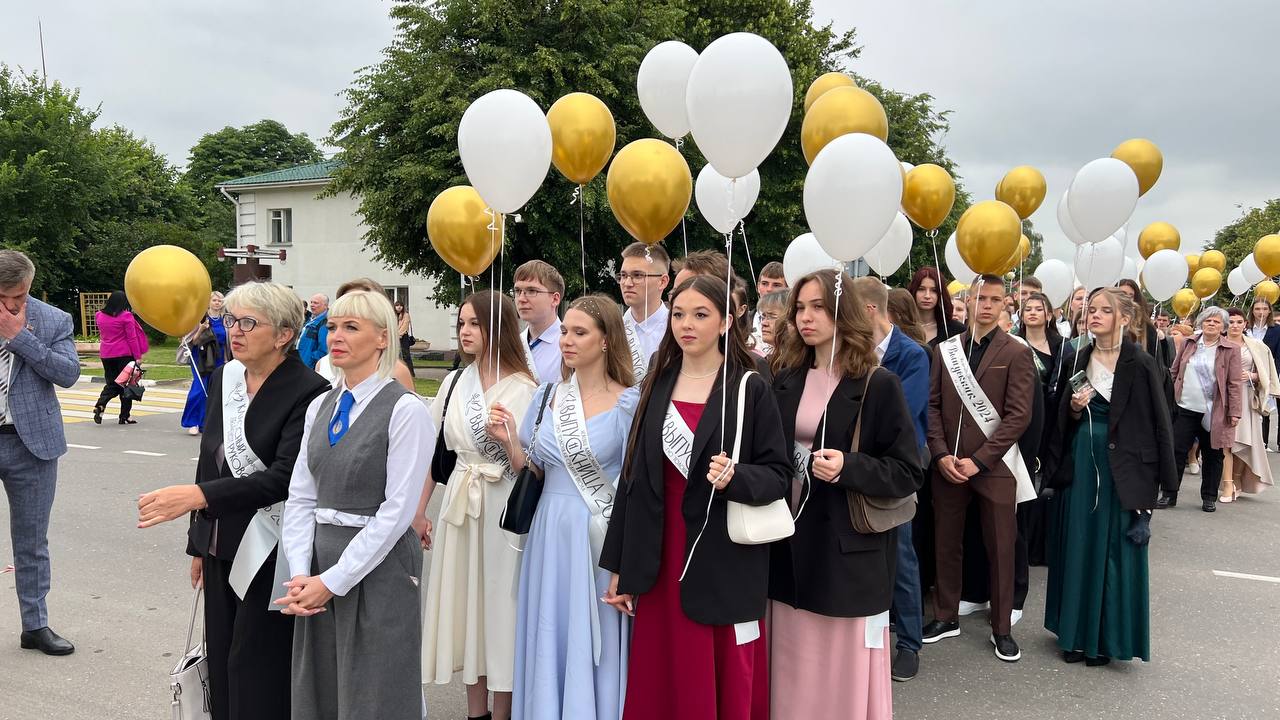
x=36, y=352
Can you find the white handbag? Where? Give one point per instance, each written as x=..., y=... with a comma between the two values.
x=189, y=679
x=756, y=524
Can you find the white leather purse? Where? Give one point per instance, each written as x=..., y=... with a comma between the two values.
x=189, y=679
x=756, y=524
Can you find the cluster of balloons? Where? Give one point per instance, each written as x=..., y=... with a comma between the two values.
x=988, y=239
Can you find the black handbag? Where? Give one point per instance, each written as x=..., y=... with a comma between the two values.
x=443, y=460
x=132, y=390
x=527, y=490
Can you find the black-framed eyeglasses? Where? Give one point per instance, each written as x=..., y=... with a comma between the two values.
x=635, y=277
x=247, y=324
x=528, y=292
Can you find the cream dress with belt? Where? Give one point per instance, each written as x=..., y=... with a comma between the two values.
x=469, y=607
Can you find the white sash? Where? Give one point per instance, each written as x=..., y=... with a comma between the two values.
x=982, y=411
x=475, y=410
x=263, y=533
x=528, y=359
x=677, y=440
x=639, y=363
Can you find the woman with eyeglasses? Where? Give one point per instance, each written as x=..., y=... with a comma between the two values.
x=251, y=441
x=772, y=309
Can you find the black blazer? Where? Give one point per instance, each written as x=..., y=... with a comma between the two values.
x=727, y=583
x=954, y=327
x=827, y=567
x=273, y=427
x=1139, y=431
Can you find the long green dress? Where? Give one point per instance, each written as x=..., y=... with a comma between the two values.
x=1098, y=581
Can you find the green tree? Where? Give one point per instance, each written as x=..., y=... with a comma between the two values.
x=398, y=133
x=232, y=153
x=1236, y=239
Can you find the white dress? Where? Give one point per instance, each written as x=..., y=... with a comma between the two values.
x=469, y=612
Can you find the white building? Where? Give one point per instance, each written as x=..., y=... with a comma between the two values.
x=322, y=240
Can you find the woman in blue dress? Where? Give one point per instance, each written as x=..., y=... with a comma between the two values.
x=571, y=649
x=208, y=344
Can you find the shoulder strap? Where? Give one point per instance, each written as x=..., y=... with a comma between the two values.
x=445, y=412
x=742, y=401
x=857, y=423
x=542, y=407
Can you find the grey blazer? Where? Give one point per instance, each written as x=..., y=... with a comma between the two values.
x=44, y=355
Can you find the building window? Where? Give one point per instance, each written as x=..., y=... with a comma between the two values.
x=282, y=227
x=398, y=295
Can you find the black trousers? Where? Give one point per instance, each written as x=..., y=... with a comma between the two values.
x=250, y=648
x=405, y=355
x=112, y=367
x=1186, y=431
x=1266, y=432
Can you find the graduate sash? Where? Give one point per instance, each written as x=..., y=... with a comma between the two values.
x=639, y=361
x=983, y=413
x=467, y=489
x=262, y=536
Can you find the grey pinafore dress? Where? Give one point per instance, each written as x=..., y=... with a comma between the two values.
x=361, y=658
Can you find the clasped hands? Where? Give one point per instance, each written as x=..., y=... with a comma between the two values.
x=307, y=596
x=957, y=470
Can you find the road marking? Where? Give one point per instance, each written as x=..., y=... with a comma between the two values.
x=1247, y=576
x=143, y=452
x=83, y=447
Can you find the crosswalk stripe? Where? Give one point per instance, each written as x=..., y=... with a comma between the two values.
x=83, y=447
x=143, y=452
x=144, y=406
x=93, y=397
x=86, y=415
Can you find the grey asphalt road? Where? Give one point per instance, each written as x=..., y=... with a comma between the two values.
x=122, y=595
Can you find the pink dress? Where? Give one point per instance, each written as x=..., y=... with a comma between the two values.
x=680, y=669
x=821, y=667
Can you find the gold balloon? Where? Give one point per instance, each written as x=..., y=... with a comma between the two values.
x=1158, y=236
x=1022, y=189
x=1268, y=290
x=955, y=286
x=649, y=189
x=1193, y=264
x=987, y=235
x=168, y=288
x=841, y=111
x=458, y=228
x=1267, y=254
x=1206, y=282
x=1214, y=259
x=819, y=87
x=1144, y=158
x=1184, y=302
x=927, y=195
x=1023, y=252
x=582, y=136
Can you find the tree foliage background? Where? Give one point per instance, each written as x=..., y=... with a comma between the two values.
x=398, y=133
x=1236, y=239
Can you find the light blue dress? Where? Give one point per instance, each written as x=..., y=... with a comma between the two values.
x=556, y=676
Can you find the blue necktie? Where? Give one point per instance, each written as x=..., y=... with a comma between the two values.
x=342, y=420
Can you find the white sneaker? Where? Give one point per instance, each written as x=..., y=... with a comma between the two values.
x=968, y=608
x=1014, y=617
x=1193, y=468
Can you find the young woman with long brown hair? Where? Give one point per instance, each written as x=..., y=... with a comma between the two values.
x=697, y=649
x=469, y=620
x=830, y=585
x=570, y=648
x=933, y=303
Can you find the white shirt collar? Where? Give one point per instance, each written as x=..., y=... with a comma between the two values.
x=551, y=335
x=366, y=389
x=883, y=347
x=657, y=320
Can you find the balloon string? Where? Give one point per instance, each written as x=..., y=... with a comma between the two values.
x=582, y=233
x=831, y=361
x=973, y=325
x=502, y=256
x=684, y=235
x=493, y=238
x=937, y=266
x=195, y=370
x=742, y=228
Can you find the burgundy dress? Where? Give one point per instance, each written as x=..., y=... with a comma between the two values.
x=680, y=669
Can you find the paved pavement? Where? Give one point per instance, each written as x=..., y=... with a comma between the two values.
x=122, y=595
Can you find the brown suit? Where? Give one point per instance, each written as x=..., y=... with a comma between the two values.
x=1008, y=377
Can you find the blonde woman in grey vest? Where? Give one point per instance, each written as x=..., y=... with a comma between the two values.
x=355, y=561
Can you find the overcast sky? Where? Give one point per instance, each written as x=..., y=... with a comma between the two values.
x=1052, y=85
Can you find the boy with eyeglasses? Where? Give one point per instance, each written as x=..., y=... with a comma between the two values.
x=644, y=276
x=537, y=290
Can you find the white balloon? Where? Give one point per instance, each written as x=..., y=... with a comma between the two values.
x=1164, y=274
x=1057, y=279
x=1102, y=197
x=1130, y=268
x=851, y=194
x=724, y=202
x=505, y=145
x=907, y=167
x=739, y=101
x=1100, y=264
x=891, y=252
x=1252, y=273
x=1236, y=282
x=955, y=264
x=1064, y=222
x=661, y=85
x=804, y=255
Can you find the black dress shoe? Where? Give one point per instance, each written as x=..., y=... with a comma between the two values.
x=97, y=414
x=128, y=421
x=1166, y=501
x=1209, y=506
x=1073, y=656
x=46, y=641
x=937, y=630
x=1097, y=661
x=905, y=666
x=1006, y=649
